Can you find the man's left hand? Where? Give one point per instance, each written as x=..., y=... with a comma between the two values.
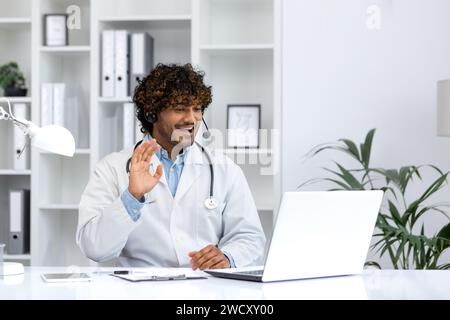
x=210, y=257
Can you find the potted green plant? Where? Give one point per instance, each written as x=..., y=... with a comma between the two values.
x=12, y=80
x=400, y=230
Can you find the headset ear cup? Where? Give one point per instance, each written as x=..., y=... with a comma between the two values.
x=150, y=117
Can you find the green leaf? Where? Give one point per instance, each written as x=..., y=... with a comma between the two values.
x=443, y=237
x=323, y=147
x=435, y=186
x=395, y=214
x=386, y=189
x=349, y=178
x=366, y=148
x=403, y=242
x=310, y=181
x=352, y=148
x=372, y=264
x=339, y=183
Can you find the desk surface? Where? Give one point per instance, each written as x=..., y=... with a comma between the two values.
x=372, y=284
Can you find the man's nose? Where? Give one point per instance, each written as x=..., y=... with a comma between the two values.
x=191, y=117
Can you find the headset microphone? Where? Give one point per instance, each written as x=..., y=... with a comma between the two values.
x=206, y=134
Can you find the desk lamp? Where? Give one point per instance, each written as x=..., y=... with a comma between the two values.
x=51, y=138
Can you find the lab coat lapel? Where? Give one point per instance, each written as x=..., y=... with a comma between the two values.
x=191, y=171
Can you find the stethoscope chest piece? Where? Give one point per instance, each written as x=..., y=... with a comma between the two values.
x=211, y=203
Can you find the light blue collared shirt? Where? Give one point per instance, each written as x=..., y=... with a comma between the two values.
x=172, y=169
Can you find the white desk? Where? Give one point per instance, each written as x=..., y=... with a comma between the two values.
x=373, y=284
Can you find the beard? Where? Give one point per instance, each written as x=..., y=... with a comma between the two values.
x=181, y=136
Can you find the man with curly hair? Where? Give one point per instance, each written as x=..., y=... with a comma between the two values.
x=146, y=207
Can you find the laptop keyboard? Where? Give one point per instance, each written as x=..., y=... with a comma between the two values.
x=252, y=272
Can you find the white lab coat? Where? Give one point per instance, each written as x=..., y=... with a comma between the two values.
x=169, y=227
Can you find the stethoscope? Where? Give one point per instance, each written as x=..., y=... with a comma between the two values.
x=211, y=202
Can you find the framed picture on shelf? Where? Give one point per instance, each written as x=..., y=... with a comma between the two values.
x=55, y=30
x=243, y=124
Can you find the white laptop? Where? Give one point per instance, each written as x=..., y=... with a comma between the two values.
x=317, y=234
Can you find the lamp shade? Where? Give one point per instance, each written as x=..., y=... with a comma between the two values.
x=54, y=139
x=443, y=107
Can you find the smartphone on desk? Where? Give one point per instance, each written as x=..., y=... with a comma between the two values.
x=65, y=277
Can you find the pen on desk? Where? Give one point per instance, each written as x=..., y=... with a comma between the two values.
x=116, y=272
x=122, y=272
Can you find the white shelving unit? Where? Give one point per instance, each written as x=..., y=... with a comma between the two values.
x=16, y=37
x=236, y=42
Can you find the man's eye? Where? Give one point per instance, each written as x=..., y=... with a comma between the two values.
x=198, y=109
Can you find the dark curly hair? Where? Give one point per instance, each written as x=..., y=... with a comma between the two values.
x=168, y=86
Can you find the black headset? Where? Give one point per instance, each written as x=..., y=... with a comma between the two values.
x=151, y=117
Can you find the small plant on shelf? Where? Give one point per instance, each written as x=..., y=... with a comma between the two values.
x=12, y=80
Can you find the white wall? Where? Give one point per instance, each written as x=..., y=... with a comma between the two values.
x=340, y=80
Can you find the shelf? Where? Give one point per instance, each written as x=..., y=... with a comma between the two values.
x=17, y=257
x=16, y=99
x=151, y=23
x=67, y=50
x=15, y=24
x=150, y=18
x=59, y=207
x=77, y=151
x=237, y=49
x=264, y=208
x=142, y=8
x=7, y=172
x=114, y=100
x=82, y=151
x=247, y=151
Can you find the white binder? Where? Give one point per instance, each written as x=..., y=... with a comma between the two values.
x=141, y=57
x=58, y=103
x=20, y=111
x=19, y=222
x=122, y=64
x=46, y=104
x=128, y=125
x=108, y=63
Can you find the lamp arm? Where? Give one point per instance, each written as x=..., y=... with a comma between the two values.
x=23, y=124
x=4, y=115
